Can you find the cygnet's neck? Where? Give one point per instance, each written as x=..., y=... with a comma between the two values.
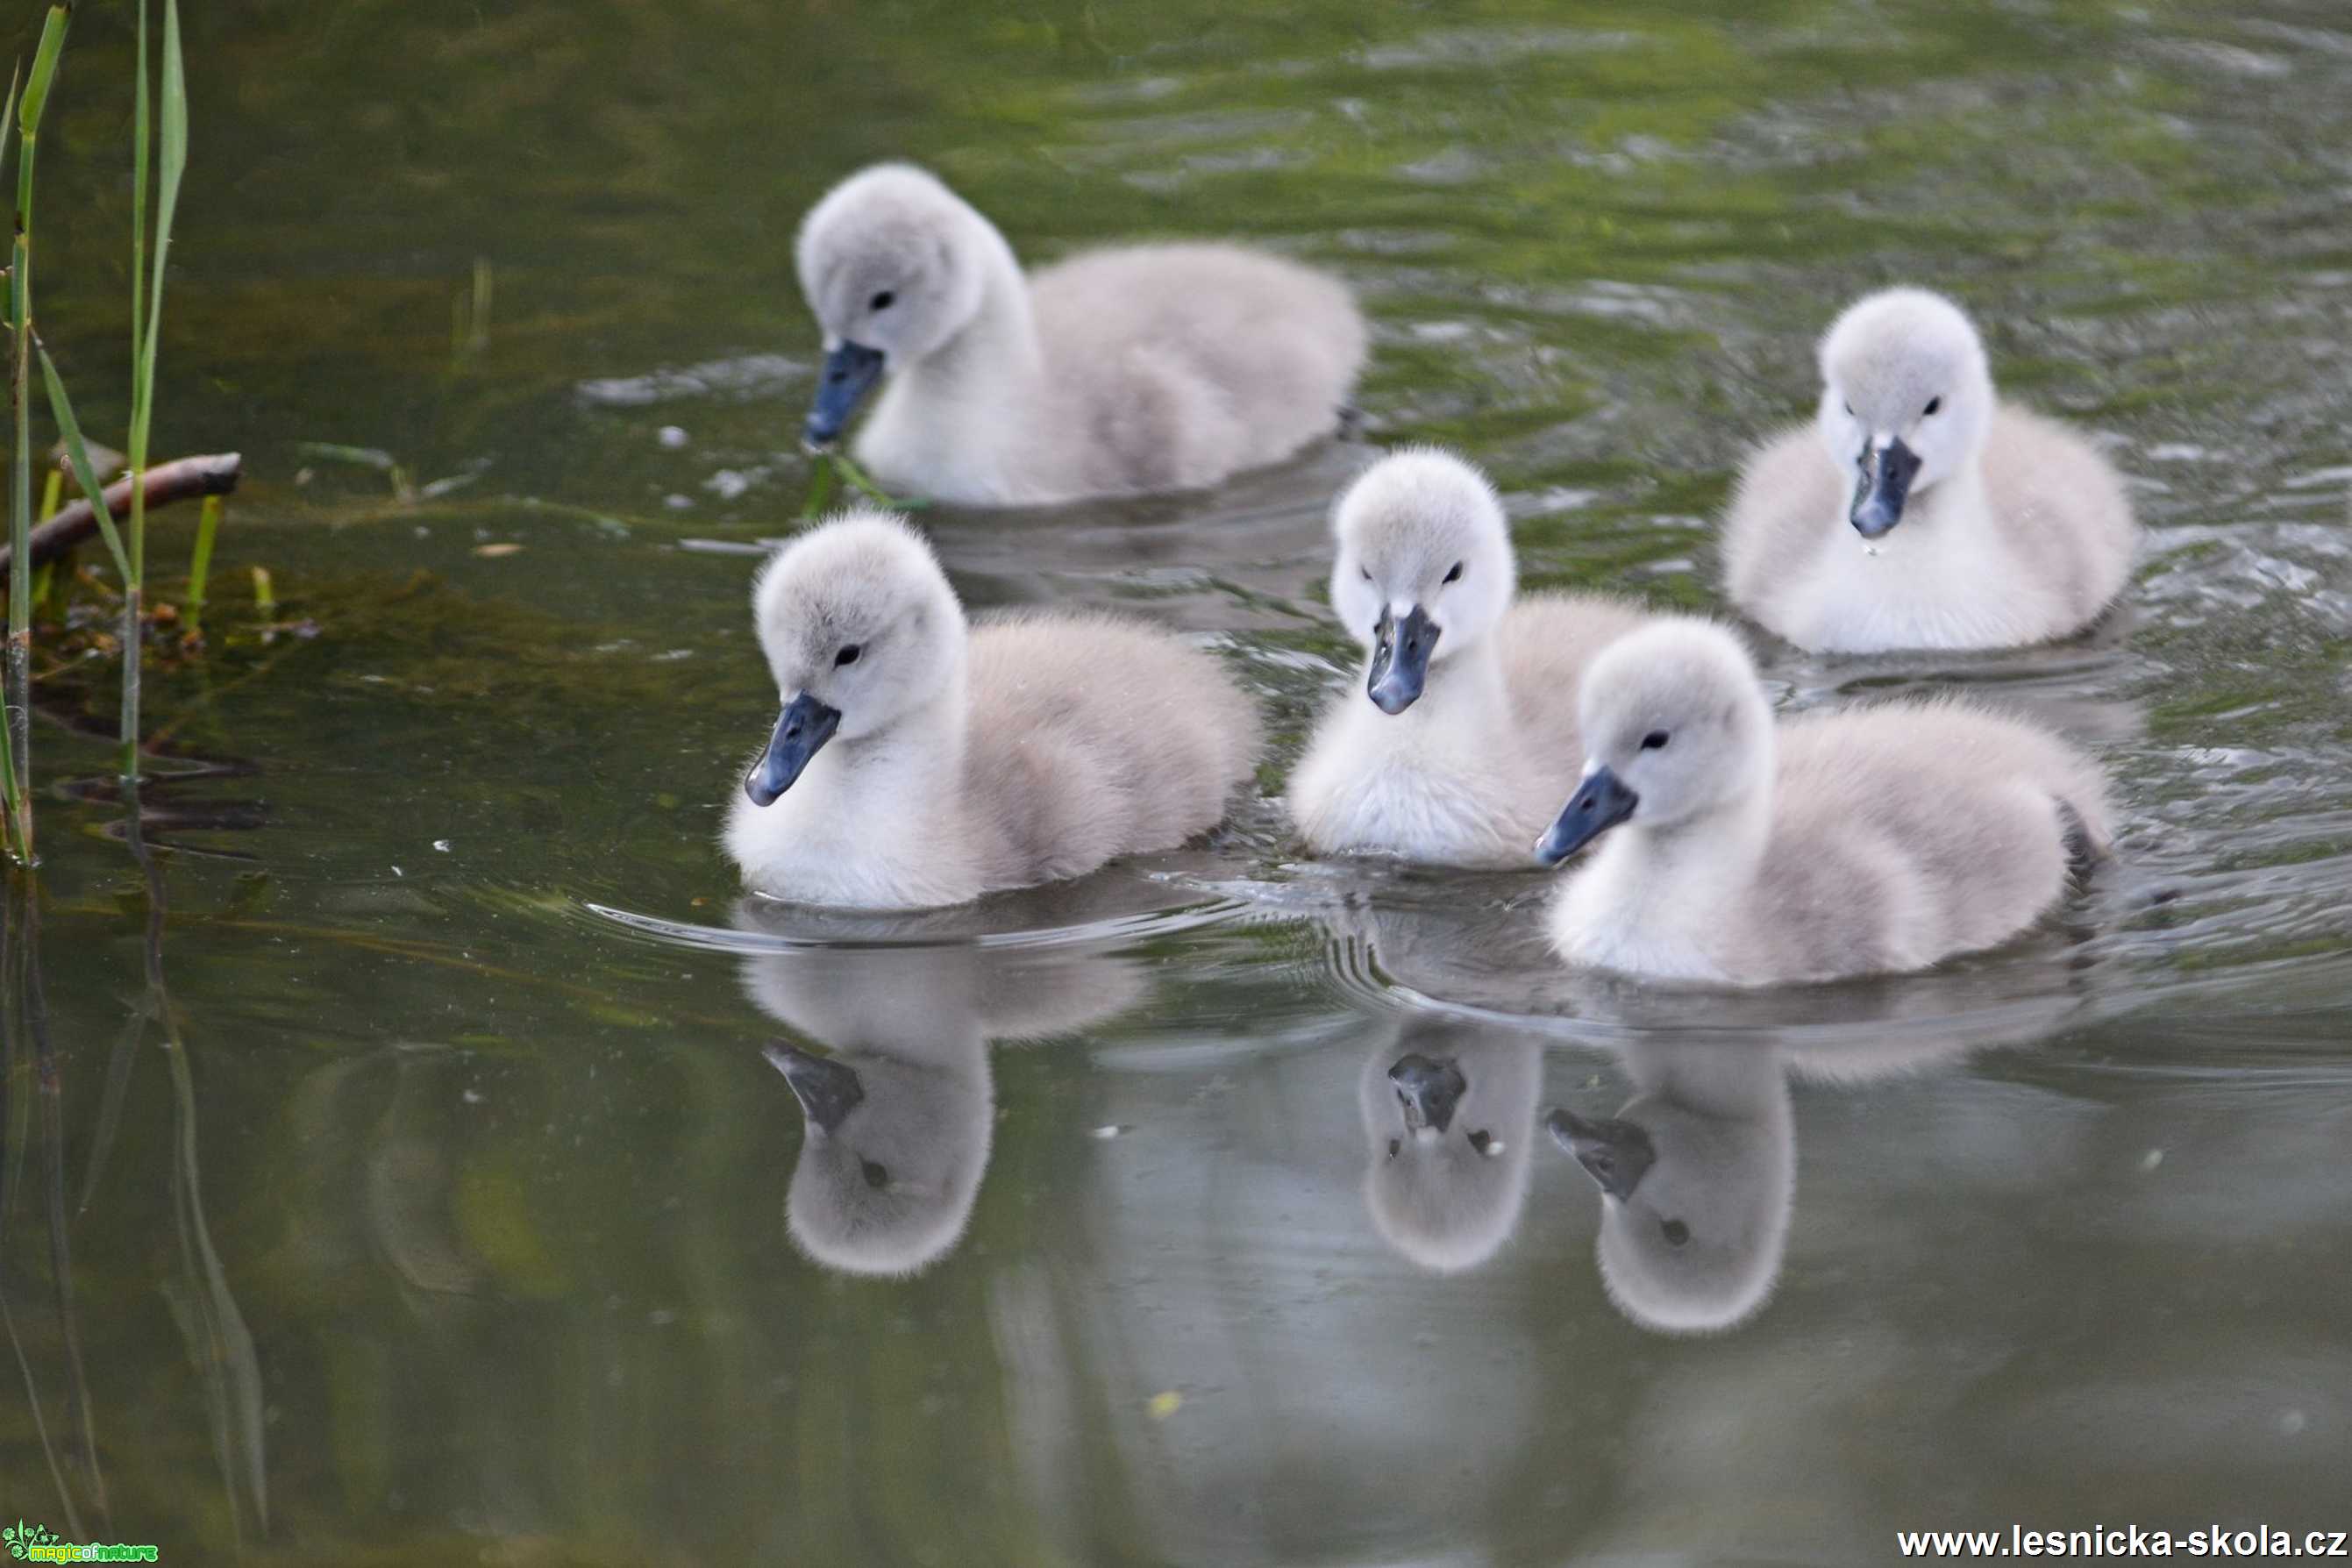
x=913, y=765
x=1958, y=500
x=1464, y=697
x=996, y=361
x=1703, y=863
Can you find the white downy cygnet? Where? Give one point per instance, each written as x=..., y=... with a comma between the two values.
x=1158, y=367
x=919, y=764
x=900, y=1108
x=1981, y=525
x=1874, y=841
x=1449, y=1120
x=1697, y=1177
x=1458, y=749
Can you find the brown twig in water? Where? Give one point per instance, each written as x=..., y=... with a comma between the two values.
x=180, y=479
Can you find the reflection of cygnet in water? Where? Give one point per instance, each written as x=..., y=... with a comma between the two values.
x=1696, y=1174
x=1450, y=1119
x=896, y=1141
x=1698, y=1171
x=899, y=1112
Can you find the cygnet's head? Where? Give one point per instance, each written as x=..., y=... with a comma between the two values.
x=892, y=263
x=893, y=1156
x=860, y=627
x=1424, y=570
x=1906, y=397
x=1449, y=1119
x=1695, y=1203
x=1674, y=727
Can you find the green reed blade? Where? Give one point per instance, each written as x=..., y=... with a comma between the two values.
x=200, y=564
x=77, y=454
x=820, y=487
x=45, y=70
x=863, y=484
x=141, y=136
x=8, y=117
x=173, y=153
x=8, y=793
x=94, y=492
x=173, y=161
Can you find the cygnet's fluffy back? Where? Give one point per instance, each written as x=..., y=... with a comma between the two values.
x=1183, y=364
x=1988, y=817
x=1095, y=737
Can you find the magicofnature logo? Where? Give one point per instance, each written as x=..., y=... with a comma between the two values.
x=40, y=1543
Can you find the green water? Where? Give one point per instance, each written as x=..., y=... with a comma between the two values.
x=419, y=1179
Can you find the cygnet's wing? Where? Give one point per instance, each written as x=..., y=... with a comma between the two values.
x=1093, y=737
x=2062, y=508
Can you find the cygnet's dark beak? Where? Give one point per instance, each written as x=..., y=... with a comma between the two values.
x=806, y=725
x=1615, y=1153
x=1599, y=804
x=1400, y=650
x=850, y=370
x=1428, y=1090
x=828, y=1091
x=1886, y=474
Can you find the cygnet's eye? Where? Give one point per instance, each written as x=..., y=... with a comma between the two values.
x=1395, y=1144
x=1849, y=412
x=883, y=300
x=1933, y=404
x=877, y=1176
x=847, y=656
x=1455, y=574
x=1675, y=1232
x=1655, y=741
x=1482, y=1141
x=1367, y=572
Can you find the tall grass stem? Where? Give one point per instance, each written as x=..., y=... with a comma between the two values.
x=171, y=162
x=19, y=678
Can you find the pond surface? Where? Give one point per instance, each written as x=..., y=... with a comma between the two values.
x=419, y=1172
